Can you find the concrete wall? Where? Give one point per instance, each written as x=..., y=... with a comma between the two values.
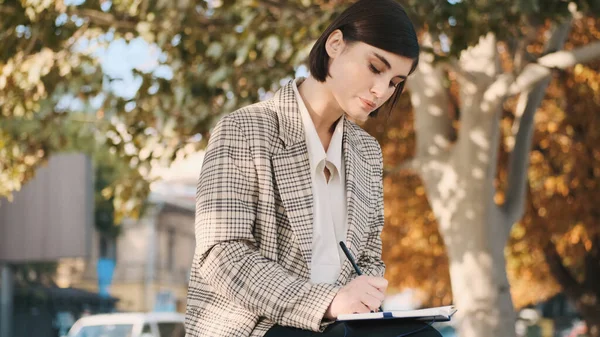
x=51, y=217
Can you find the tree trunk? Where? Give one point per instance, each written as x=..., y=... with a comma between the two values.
x=459, y=177
x=477, y=270
x=459, y=183
x=477, y=264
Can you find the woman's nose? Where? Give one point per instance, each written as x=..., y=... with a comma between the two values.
x=379, y=88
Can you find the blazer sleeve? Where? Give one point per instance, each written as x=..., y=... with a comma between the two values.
x=370, y=261
x=229, y=260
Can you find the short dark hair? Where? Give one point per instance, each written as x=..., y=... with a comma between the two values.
x=383, y=24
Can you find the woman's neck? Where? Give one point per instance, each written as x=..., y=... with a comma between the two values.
x=321, y=105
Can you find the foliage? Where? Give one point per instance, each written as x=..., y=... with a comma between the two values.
x=220, y=55
x=37, y=273
x=563, y=175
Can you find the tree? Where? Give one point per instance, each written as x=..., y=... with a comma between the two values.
x=556, y=245
x=579, y=271
x=563, y=179
x=48, y=53
x=265, y=41
x=459, y=174
x=458, y=180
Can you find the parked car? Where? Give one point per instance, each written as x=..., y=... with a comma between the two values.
x=156, y=324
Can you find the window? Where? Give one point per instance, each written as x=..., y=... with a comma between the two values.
x=171, y=329
x=147, y=329
x=108, y=247
x=171, y=249
x=117, y=330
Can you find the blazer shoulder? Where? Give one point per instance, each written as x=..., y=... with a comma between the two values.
x=257, y=121
x=370, y=145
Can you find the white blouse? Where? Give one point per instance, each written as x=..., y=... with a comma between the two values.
x=329, y=198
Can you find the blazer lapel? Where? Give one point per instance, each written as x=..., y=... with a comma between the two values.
x=291, y=168
x=358, y=177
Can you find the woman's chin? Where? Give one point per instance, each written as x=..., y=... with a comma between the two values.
x=358, y=116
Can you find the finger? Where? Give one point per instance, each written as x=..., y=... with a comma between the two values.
x=367, y=288
x=378, y=282
x=379, y=295
x=371, y=302
x=360, y=308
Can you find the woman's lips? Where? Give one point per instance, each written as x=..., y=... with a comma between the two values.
x=368, y=104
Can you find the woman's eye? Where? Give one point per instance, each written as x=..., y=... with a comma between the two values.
x=395, y=85
x=373, y=69
x=377, y=71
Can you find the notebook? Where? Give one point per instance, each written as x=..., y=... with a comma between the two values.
x=437, y=314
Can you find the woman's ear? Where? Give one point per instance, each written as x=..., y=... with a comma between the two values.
x=335, y=43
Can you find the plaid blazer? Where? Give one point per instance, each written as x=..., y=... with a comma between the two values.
x=254, y=216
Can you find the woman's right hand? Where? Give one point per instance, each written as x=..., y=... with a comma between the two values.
x=362, y=295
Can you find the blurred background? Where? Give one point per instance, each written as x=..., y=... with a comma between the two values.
x=491, y=156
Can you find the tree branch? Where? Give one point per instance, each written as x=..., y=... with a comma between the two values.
x=448, y=63
x=479, y=133
x=129, y=23
x=7, y=10
x=104, y=19
x=430, y=101
x=481, y=62
x=281, y=5
x=144, y=9
x=520, y=55
x=529, y=101
x=453, y=66
x=33, y=40
x=535, y=72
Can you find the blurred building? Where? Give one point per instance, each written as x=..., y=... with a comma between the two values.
x=153, y=254
x=49, y=219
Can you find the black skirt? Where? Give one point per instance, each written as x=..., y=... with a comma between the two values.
x=366, y=328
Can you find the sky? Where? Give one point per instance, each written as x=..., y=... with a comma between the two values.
x=118, y=61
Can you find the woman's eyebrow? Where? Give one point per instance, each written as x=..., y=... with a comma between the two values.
x=387, y=64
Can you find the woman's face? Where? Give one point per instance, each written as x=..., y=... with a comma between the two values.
x=363, y=77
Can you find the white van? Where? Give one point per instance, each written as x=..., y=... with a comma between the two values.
x=155, y=324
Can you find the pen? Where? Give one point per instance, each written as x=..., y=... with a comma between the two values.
x=351, y=259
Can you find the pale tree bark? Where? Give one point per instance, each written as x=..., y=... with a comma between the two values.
x=430, y=101
x=479, y=281
x=528, y=103
x=459, y=176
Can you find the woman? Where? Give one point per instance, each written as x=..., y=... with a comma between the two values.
x=284, y=180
